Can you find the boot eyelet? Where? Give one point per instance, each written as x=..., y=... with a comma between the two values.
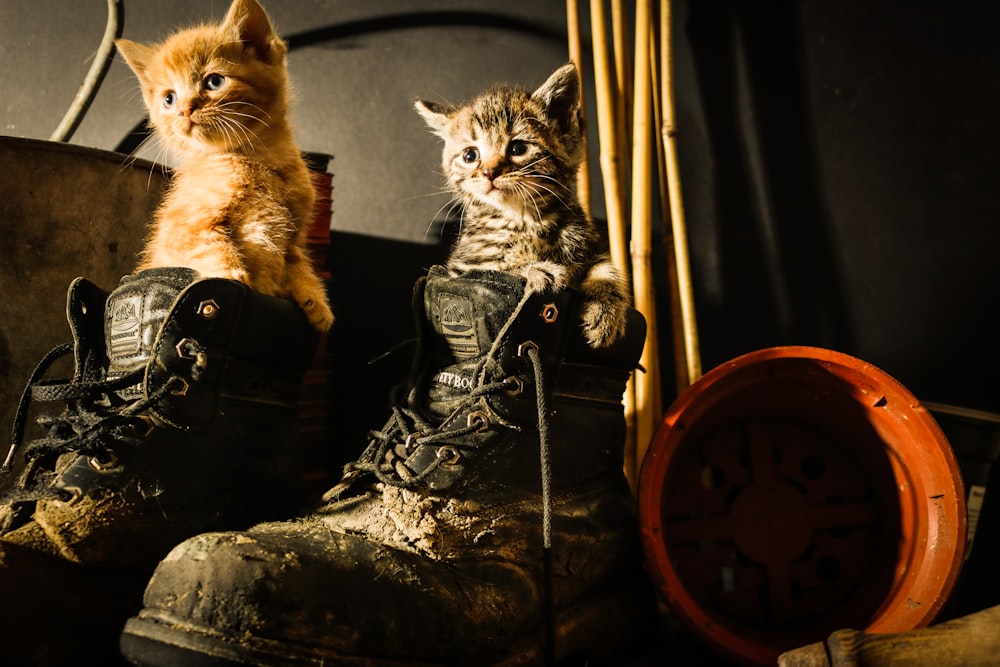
x=549, y=313
x=515, y=384
x=72, y=496
x=523, y=348
x=449, y=455
x=187, y=348
x=143, y=426
x=102, y=466
x=479, y=421
x=208, y=309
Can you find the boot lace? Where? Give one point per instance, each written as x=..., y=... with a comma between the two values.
x=408, y=428
x=93, y=423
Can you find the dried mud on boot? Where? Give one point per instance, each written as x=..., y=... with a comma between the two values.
x=179, y=417
x=488, y=521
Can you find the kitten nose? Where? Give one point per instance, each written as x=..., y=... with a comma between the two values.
x=187, y=107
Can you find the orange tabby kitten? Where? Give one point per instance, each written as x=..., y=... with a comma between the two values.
x=242, y=196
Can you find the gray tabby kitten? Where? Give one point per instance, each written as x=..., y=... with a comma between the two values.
x=511, y=157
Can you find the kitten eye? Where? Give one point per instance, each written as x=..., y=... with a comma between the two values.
x=470, y=155
x=169, y=98
x=214, y=81
x=517, y=148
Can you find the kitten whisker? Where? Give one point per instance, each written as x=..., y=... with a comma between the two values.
x=436, y=193
x=129, y=160
x=246, y=104
x=455, y=204
x=245, y=115
x=226, y=110
x=238, y=134
x=434, y=218
x=221, y=126
x=541, y=176
x=528, y=166
x=541, y=187
x=524, y=195
x=231, y=134
x=524, y=187
x=450, y=205
x=555, y=181
x=157, y=160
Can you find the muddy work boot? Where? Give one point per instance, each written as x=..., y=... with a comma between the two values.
x=487, y=523
x=180, y=417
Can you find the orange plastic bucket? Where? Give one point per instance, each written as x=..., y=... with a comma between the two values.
x=794, y=491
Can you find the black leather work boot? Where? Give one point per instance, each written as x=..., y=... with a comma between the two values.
x=489, y=521
x=180, y=417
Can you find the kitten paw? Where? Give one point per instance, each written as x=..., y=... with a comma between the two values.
x=603, y=324
x=239, y=275
x=318, y=314
x=543, y=276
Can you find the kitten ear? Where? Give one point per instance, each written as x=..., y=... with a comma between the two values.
x=249, y=23
x=560, y=95
x=437, y=116
x=137, y=56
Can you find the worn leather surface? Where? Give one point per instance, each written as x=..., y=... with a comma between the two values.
x=452, y=569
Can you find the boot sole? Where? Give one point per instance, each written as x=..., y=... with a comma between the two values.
x=612, y=628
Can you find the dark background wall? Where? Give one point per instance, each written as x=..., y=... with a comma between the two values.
x=837, y=158
x=838, y=162
x=851, y=200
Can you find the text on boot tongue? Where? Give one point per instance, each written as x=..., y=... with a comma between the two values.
x=453, y=380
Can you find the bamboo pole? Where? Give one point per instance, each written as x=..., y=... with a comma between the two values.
x=660, y=180
x=689, y=329
x=647, y=413
x=576, y=57
x=607, y=135
x=677, y=331
x=611, y=179
x=623, y=84
x=622, y=64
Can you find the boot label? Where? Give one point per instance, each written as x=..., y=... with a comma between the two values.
x=454, y=380
x=458, y=326
x=124, y=333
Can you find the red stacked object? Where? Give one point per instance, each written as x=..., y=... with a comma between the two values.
x=314, y=394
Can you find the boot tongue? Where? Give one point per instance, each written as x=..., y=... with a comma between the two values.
x=464, y=314
x=133, y=315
